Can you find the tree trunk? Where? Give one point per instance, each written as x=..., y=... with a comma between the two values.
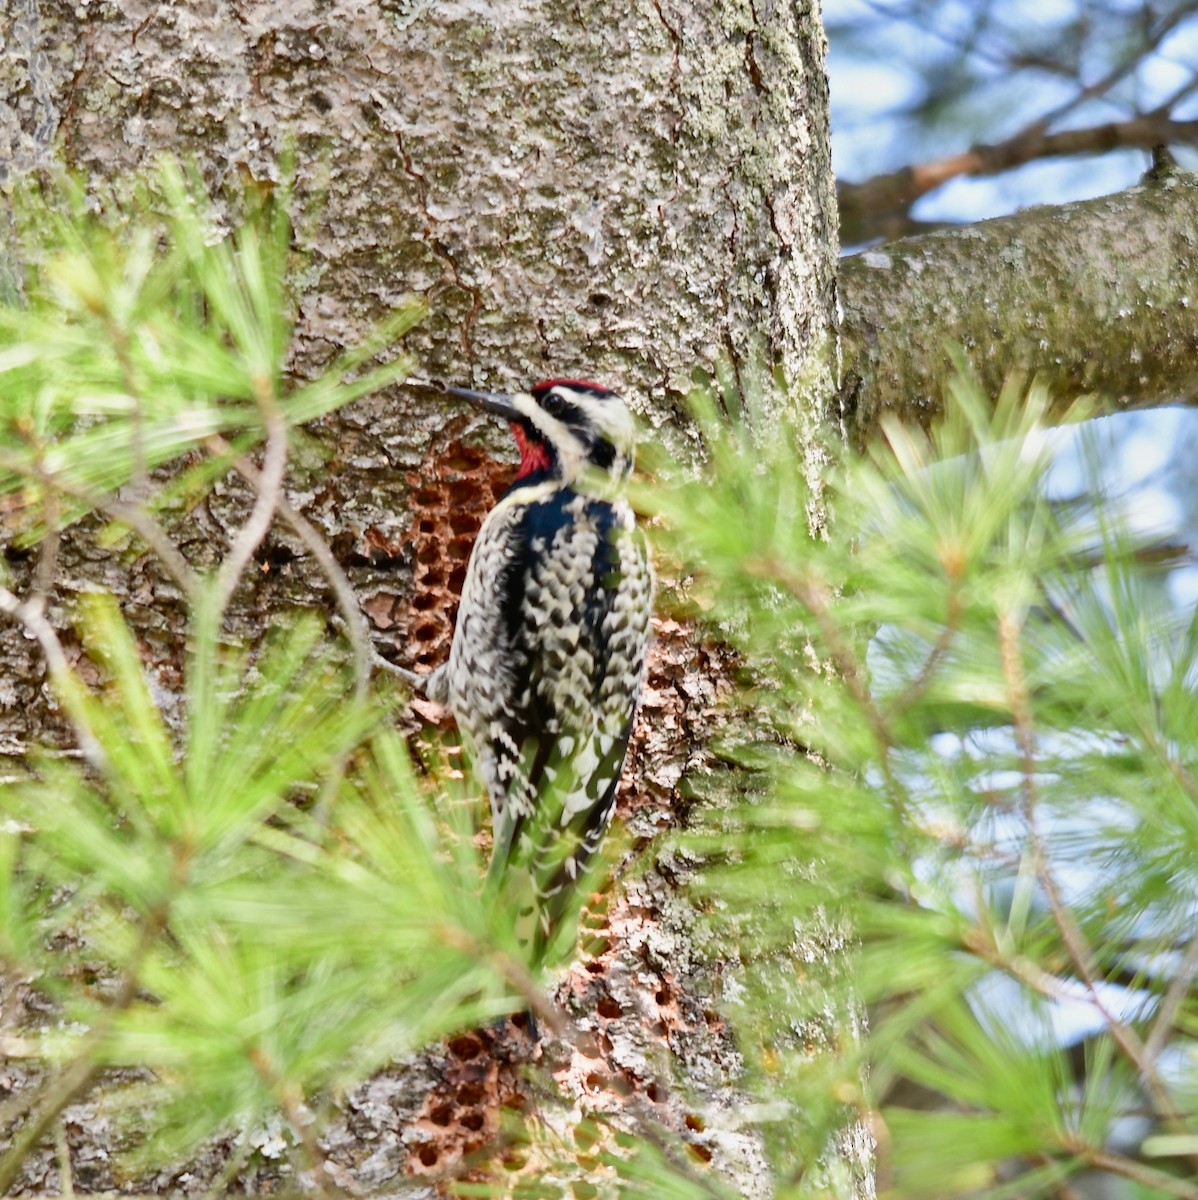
x=573, y=192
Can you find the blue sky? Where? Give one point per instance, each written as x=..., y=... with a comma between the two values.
x=869, y=137
x=871, y=84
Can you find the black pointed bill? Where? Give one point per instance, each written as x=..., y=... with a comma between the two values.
x=493, y=402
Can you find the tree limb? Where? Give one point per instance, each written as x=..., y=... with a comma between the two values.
x=879, y=205
x=1095, y=297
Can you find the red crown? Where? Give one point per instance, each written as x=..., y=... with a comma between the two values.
x=581, y=384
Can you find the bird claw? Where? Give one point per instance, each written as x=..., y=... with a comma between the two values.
x=416, y=682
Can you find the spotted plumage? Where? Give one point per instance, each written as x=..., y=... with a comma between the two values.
x=549, y=649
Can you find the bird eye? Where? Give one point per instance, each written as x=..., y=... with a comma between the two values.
x=554, y=404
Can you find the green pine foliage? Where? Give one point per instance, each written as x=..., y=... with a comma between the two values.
x=965, y=853
x=144, y=328
x=949, y=864
x=250, y=902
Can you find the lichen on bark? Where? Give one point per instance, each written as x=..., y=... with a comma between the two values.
x=1096, y=298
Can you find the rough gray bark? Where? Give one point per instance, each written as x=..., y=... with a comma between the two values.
x=573, y=192
x=632, y=195
x=1096, y=297
x=572, y=195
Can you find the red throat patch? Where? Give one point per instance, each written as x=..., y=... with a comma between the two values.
x=534, y=455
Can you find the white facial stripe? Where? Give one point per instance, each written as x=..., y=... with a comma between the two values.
x=569, y=449
x=611, y=417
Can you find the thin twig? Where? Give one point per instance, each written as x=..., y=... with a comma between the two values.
x=1184, y=92
x=1017, y=698
x=141, y=474
x=873, y=203
x=1181, y=776
x=962, y=46
x=61, y=1089
x=916, y=688
x=135, y=516
x=47, y=559
x=1072, y=936
x=29, y=614
x=1129, y=1168
x=150, y=531
x=513, y=972
x=1171, y=1002
x=814, y=598
x=66, y=1181
x=157, y=539
x=291, y=1104
x=266, y=504
x=1082, y=957
x=1025, y=971
x=1120, y=70
x=356, y=628
x=1062, y=1188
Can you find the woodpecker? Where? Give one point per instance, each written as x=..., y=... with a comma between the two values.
x=548, y=654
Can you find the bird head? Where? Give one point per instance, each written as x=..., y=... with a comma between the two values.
x=566, y=429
